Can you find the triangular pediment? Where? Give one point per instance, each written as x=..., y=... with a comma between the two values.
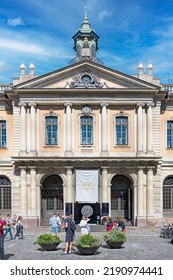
x=86, y=74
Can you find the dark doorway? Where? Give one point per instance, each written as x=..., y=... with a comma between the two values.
x=121, y=197
x=92, y=210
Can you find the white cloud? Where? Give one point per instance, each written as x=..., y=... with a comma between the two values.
x=15, y=21
x=104, y=14
x=19, y=46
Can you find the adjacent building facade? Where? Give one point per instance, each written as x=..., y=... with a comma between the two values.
x=86, y=139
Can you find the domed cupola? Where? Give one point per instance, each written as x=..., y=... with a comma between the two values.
x=85, y=42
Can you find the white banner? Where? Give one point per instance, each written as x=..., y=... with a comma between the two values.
x=87, y=185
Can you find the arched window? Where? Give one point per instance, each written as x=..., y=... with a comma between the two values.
x=5, y=193
x=168, y=196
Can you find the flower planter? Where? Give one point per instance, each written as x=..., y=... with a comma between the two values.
x=87, y=250
x=49, y=247
x=114, y=245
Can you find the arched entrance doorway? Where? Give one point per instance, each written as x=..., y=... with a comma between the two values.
x=52, y=197
x=121, y=197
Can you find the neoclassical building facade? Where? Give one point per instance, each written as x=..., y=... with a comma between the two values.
x=86, y=139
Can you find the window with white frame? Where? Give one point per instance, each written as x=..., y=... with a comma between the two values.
x=3, y=134
x=170, y=134
x=86, y=125
x=121, y=130
x=51, y=130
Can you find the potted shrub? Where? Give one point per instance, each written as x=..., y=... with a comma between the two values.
x=115, y=238
x=88, y=244
x=48, y=241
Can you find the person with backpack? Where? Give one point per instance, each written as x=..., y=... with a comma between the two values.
x=70, y=228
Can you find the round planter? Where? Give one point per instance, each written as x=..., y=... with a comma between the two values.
x=87, y=250
x=49, y=247
x=114, y=245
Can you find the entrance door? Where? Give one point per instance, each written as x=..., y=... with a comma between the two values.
x=121, y=197
x=52, y=197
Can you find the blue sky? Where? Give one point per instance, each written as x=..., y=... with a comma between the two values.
x=130, y=31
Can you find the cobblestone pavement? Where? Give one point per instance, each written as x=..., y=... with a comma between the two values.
x=142, y=244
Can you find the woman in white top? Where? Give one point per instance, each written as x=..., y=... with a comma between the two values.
x=84, y=225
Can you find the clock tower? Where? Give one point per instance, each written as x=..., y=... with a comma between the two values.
x=85, y=42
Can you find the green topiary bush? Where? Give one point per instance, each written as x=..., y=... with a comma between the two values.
x=88, y=240
x=48, y=239
x=115, y=236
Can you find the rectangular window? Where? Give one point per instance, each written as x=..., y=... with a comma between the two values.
x=121, y=130
x=51, y=130
x=169, y=134
x=87, y=130
x=3, y=134
x=7, y=198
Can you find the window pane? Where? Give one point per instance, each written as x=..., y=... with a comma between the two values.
x=6, y=198
x=170, y=134
x=86, y=130
x=121, y=130
x=51, y=130
x=3, y=137
x=50, y=203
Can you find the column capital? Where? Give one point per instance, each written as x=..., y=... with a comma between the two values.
x=139, y=167
x=24, y=104
x=150, y=104
x=32, y=104
x=22, y=167
x=102, y=104
x=32, y=168
x=66, y=104
x=104, y=167
x=140, y=104
x=69, y=167
x=150, y=167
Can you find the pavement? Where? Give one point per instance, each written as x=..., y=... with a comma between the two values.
x=142, y=244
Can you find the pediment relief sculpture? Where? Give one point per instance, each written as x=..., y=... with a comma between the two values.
x=86, y=79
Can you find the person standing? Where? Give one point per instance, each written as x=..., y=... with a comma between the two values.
x=70, y=228
x=59, y=222
x=84, y=225
x=2, y=228
x=14, y=223
x=8, y=227
x=19, y=228
x=54, y=224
